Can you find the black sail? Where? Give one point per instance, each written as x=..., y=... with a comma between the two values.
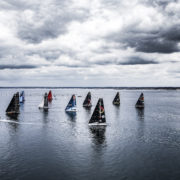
x=46, y=101
x=13, y=107
x=116, y=100
x=87, y=101
x=140, y=102
x=99, y=113
x=17, y=98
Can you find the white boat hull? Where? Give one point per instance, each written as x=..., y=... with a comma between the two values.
x=97, y=124
x=73, y=109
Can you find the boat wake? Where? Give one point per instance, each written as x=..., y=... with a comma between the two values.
x=16, y=122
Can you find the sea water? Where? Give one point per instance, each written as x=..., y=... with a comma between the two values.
x=135, y=144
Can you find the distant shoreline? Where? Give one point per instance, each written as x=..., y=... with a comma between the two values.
x=120, y=88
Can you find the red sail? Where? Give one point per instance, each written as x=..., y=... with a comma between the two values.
x=50, y=96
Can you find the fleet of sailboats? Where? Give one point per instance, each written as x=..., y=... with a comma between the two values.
x=98, y=117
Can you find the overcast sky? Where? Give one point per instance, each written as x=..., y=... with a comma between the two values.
x=89, y=43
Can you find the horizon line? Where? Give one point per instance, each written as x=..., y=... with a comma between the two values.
x=93, y=87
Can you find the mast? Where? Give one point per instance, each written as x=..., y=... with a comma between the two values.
x=98, y=115
x=87, y=101
x=140, y=101
x=116, y=100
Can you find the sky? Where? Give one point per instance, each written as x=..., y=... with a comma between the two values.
x=97, y=43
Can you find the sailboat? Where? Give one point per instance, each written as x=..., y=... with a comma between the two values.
x=44, y=103
x=116, y=100
x=13, y=107
x=87, y=101
x=140, y=102
x=98, y=116
x=50, y=96
x=22, y=97
x=71, y=107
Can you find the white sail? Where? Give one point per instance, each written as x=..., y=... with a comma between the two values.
x=41, y=105
x=21, y=99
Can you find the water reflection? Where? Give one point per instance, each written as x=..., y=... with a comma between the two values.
x=140, y=113
x=141, y=125
x=45, y=116
x=21, y=107
x=117, y=111
x=87, y=110
x=71, y=116
x=98, y=134
x=14, y=118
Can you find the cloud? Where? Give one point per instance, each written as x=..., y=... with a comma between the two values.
x=17, y=67
x=138, y=61
x=164, y=41
x=47, y=20
x=85, y=43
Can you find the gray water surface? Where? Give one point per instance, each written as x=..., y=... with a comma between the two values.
x=136, y=144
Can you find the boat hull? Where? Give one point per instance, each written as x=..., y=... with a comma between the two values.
x=87, y=105
x=117, y=104
x=72, y=109
x=12, y=113
x=139, y=106
x=97, y=124
x=45, y=108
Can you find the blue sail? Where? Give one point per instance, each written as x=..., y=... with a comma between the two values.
x=22, y=97
x=72, y=104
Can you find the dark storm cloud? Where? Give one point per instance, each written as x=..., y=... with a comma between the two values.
x=138, y=61
x=162, y=41
x=17, y=67
x=172, y=34
x=159, y=3
x=128, y=61
x=152, y=45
